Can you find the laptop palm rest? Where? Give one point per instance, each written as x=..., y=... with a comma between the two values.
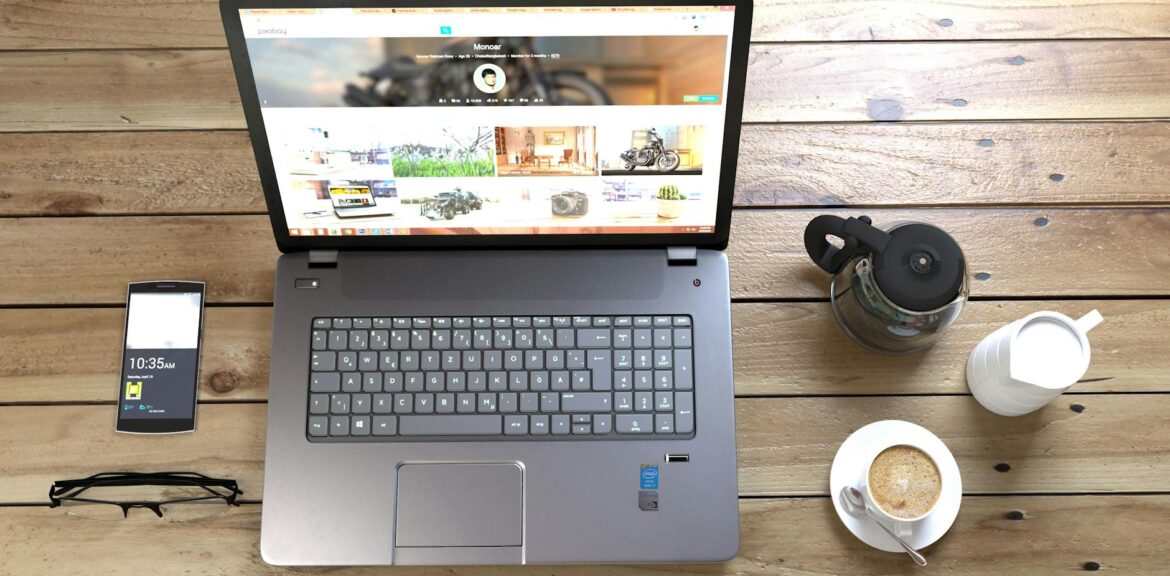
x=441, y=508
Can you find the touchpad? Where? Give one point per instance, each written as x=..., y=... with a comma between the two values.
x=441, y=505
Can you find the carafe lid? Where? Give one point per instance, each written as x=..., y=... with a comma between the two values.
x=921, y=267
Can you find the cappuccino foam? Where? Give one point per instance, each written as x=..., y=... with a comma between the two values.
x=904, y=482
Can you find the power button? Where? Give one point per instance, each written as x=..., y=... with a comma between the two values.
x=310, y=283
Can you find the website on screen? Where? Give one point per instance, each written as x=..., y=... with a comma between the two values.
x=565, y=120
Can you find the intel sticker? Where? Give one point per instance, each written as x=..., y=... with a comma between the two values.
x=649, y=477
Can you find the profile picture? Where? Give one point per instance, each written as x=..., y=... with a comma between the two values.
x=489, y=78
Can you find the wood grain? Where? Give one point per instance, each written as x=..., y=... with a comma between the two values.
x=798, y=20
x=778, y=537
x=128, y=172
x=179, y=24
x=785, y=446
x=780, y=349
x=780, y=165
x=184, y=89
x=1107, y=252
x=118, y=90
x=956, y=163
x=955, y=81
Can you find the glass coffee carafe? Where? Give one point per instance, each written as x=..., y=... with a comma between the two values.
x=894, y=290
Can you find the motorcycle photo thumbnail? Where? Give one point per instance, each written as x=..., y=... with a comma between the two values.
x=546, y=151
x=652, y=150
x=519, y=71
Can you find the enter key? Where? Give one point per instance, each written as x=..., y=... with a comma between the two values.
x=601, y=363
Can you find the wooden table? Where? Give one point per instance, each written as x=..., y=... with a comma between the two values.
x=1036, y=132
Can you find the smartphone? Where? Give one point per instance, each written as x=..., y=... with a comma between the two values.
x=160, y=357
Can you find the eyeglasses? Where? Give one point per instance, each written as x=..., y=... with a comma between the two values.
x=173, y=496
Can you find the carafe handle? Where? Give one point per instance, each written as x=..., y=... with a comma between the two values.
x=858, y=234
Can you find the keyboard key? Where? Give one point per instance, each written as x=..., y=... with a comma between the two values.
x=441, y=339
x=635, y=424
x=392, y=381
x=682, y=337
x=559, y=380
x=623, y=338
x=441, y=322
x=507, y=403
x=420, y=322
x=523, y=339
x=643, y=338
x=420, y=339
x=322, y=323
x=662, y=359
x=338, y=339
x=445, y=403
x=424, y=403
x=320, y=340
x=481, y=322
x=662, y=338
x=663, y=380
x=409, y=360
x=403, y=403
x=351, y=382
x=515, y=425
x=465, y=403
x=384, y=425
x=581, y=380
x=461, y=322
x=318, y=426
x=560, y=424
x=501, y=322
x=565, y=338
x=382, y=403
x=347, y=360
x=582, y=321
x=663, y=402
x=368, y=361
x=529, y=402
x=643, y=380
x=664, y=423
x=561, y=321
x=586, y=402
x=359, y=404
x=469, y=425
x=401, y=323
x=493, y=360
x=541, y=322
x=581, y=418
x=362, y=323
x=399, y=339
x=601, y=363
x=513, y=360
x=642, y=322
x=521, y=321
x=339, y=425
x=662, y=321
x=683, y=373
x=342, y=323
x=339, y=404
x=602, y=424
x=623, y=321
x=593, y=338
x=381, y=322
x=550, y=402
x=643, y=401
x=623, y=380
x=359, y=340
x=623, y=401
x=360, y=426
x=325, y=382
x=684, y=413
x=682, y=320
x=538, y=425
x=318, y=404
x=601, y=322
x=582, y=428
x=487, y=402
x=575, y=359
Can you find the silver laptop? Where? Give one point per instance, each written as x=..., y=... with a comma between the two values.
x=530, y=362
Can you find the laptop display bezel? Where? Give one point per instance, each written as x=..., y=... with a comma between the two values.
x=717, y=239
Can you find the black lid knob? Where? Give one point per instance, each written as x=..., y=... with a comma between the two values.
x=921, y=267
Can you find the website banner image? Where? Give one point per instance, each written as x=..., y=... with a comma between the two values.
x=567, y=70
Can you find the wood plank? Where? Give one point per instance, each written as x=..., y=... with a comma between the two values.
x=780, y=349
x=941, y=164
x=118, y=90
x=786, y=445
x=183, y=89
x=779, y=536
x=57, y=24
x=128, y=172
x=958, y=81
x=178, y=24
x=783, y=165
x=72, y=354
x=800, y=20
x=1024, y=253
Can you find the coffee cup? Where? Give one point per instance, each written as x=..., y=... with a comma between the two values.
x=1021, y=367
x=901, y=485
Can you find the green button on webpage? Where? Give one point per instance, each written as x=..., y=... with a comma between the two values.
x=690, y=98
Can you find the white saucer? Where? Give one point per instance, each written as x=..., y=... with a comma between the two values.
x=856, y=452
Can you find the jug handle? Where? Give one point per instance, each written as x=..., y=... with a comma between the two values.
x=859, y=236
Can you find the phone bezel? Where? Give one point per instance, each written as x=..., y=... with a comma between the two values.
x=161, y=425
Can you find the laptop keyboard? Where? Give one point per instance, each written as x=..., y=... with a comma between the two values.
x=504, y=377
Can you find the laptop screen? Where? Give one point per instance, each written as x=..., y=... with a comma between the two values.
x=512, y=120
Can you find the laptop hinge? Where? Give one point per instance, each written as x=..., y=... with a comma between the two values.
x=322, y=258
x=682, y=256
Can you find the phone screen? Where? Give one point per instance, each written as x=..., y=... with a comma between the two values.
x=160, y=359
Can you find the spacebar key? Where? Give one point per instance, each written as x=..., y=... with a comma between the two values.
x=450, y=425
